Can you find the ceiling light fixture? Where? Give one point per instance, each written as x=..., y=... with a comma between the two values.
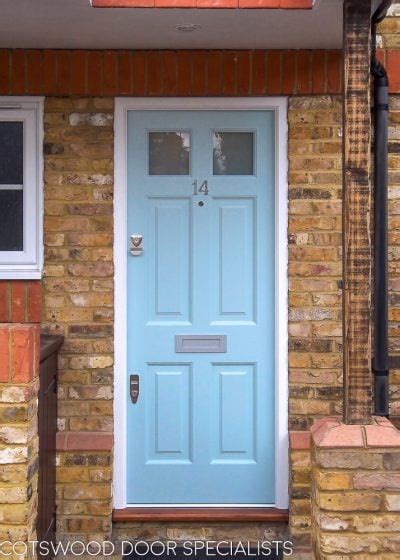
x=187, y=27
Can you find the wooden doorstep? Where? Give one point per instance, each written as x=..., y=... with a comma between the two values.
x=223, y=514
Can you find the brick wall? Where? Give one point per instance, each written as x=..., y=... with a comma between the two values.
x=78, y=302
x=78, y=290
x=315, y=268
x=355, y=499
x=78, y=287
x=212, y=531
x=315, y=271
x=19, y=385
x=197, y=72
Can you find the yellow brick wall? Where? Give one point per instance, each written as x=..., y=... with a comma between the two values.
x=315, y=361
x=78, y=297
x=78, y=285
x=355, y=499
x=315, y=266
x=315, y=269
x=19, y=441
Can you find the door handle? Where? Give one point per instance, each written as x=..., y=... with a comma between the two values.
x=134, y=388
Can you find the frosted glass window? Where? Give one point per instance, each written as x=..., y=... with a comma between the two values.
x=233, y=153
x=11, y=153
x=169, y=152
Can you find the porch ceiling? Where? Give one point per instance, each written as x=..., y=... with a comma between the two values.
x=75, y=24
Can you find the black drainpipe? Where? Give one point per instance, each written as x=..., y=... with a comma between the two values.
x=381, y=109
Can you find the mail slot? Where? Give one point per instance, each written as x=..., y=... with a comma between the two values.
x=200, y=343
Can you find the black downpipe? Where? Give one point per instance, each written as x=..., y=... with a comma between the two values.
x=381, y=110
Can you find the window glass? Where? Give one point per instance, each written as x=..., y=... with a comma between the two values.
x=11, y=220
x=233, y=153
x=11, y=185
x=11, y=153
x=21, y=183
x=169, y=152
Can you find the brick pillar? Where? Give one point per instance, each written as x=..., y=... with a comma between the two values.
x=19, y=384
x=355, y=490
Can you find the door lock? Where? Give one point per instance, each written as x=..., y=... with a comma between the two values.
x=134, y=388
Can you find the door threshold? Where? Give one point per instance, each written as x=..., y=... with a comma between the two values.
x=201, y=514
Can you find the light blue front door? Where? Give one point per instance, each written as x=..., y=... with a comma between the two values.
x=201, y=193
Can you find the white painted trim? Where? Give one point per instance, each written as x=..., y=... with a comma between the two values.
x=122, y=106
x=120, y=304
x=281, y=310
x=27, y=264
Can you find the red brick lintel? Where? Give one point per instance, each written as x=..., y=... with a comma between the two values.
x=84, y=441
x=226, y=4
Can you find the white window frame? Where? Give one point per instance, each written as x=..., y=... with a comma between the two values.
x=280, y=107
x=28, y=263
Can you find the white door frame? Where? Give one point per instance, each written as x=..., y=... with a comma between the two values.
x=279, y=106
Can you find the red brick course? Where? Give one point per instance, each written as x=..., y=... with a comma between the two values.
x=299, y=441
x=24, y=352
x=166, y=72
x=265, y=4
x=19, y=353
x=184, y=72
x=20, y=301
x=20, y=315
x=4, y=354
x=84, y=441
x=393, y=66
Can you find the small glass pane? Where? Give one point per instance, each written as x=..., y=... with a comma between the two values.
x=233, y=153
x=11, y=153
x=11, y=220
x=169, y=152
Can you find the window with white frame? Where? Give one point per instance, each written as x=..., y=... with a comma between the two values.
x=21, y=187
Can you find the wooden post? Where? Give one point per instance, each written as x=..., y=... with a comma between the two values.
x=357, y=248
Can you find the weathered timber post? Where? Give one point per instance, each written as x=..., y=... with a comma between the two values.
x=357, y=254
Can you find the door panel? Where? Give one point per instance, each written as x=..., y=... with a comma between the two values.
x=233, y=397
x=169, y=434
x=201, y=192
x=170, y=290
x=233, y=257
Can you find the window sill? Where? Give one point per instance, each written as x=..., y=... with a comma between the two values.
x=11, y=274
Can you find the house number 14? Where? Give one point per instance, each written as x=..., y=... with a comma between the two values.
x=202, y=189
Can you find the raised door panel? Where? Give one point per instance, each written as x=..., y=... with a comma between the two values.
x=170, y=246
x=233, y=430
x=168, y=395
x=234, y=264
